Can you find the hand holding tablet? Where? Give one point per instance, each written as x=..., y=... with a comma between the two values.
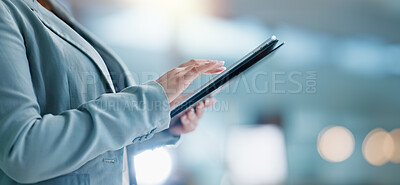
x=211, y=87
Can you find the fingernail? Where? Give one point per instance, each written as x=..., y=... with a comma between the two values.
x=207, y=101
x=191, y=113
x=214, y=101
x=221, y=62
x=201, y=105
x=221, y=68
x=184, y=117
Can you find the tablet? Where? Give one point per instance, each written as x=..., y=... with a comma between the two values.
x=220, y=81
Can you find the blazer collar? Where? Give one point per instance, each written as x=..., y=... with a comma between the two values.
x=63, y=30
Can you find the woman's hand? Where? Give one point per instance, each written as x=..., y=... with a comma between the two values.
x=177, y=80
x=189, y=121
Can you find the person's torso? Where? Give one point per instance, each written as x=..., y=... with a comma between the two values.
x=66, y=71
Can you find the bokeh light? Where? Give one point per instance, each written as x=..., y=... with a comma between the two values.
x=395, y=157
x=153, y=166
x=335, y=144
x=179, y=8
x=378, y=147
x=256, y=155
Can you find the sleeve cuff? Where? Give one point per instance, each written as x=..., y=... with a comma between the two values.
x=160, y=103
x=160, y=139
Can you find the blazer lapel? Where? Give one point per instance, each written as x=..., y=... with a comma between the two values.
x=113, y=58
x=64, y=31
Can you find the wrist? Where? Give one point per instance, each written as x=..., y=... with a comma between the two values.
x=174, y=131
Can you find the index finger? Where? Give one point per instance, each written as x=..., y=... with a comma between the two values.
x=196, y=62
x=205, y=68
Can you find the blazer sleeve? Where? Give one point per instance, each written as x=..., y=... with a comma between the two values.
x=35, y=147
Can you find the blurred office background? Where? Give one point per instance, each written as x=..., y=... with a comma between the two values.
x=325, y=109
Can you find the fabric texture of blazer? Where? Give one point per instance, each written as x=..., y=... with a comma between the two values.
x=68, y=104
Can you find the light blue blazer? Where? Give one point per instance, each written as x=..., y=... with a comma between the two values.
x=68, y=105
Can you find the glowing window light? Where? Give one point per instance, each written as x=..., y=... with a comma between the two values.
x=153, y=166
x=178, y=8
x=395, y=157
x=335, y=144
x=378, y=147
